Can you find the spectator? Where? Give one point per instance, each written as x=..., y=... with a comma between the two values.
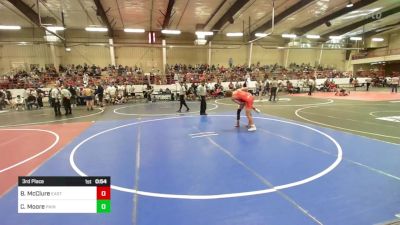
x=56, y=96
x=274, y=89
x=182, y=93
x=311, y=85
x=31, y=101
x=19, y=102
x=100, y=94
x=88, y=94
x=394, y=83
x=368, y=81
x=2, y=99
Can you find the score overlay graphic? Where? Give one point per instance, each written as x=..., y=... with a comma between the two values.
x=64, y=195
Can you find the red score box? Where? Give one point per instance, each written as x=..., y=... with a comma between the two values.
x=103, y=193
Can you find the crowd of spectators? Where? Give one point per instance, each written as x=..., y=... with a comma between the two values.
x=80, y=75
x=72, y=74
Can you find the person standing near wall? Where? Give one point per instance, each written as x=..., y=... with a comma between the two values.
x=149, y=92
x=72, y=90
x=355, y=83
x=368, y=81
x=394, y=83
x=182, y=93
x=56, y=97
x=88, y=94
x=311, y=85
x=100, y=94
x=274, y=88
x=66, y=100
x=202, y=91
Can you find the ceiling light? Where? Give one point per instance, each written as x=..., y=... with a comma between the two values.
x=356, y=38
x=204, y=33
x=7, y=27
x=378, y=39
x=67, y=49
x=55, y=29
x=200, y=42
x=312, y=36
x=335, y=37
x=289, y=35
x=234, y=34
x=260, y=35
x=133, y=30
x=51, y=38
x=96, y=29
x=171, y=31
x=350, y=4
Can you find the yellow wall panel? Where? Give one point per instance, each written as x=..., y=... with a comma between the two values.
x=188, y=56
x=22, y=56
x=145, y=58
x=222, y=56
x=98, y=55
x=266, y=56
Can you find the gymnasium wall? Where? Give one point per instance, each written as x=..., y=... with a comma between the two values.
x=98, y=55
x=394, y=41
x=149, y=58
x=300, y=56
x=92, y=52
x=21, y=56
x=266, y=56
x=186, y=55
x=334, y=58
x=145, y=58
x=237, y=53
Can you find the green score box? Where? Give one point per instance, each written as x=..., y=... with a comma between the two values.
x=103, y=206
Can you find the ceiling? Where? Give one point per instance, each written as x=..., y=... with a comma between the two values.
x=221, y=16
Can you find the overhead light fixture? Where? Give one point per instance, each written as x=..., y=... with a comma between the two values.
x=96, y=29
x=335, y=37
x=134, y=30
x=289, y=35
x=49, y=37
x=171, y=31
x=234, y=34
x=200, y=42
x=356, y=38
x=279, y=47
x=204, y=33
x=377, y=39
x=55, y=29
x=9, y=27
x=67, y=49
x=260, y=35
x=313, y=36
x=350, y=4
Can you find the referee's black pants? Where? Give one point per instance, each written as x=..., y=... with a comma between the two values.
x=203, y=105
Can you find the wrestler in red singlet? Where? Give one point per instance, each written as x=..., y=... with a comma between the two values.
x=240, y=96
x=244, y=98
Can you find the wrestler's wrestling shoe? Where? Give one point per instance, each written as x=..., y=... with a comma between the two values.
x=252, y=128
